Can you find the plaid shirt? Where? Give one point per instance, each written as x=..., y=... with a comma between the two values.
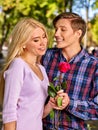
x=82, y=88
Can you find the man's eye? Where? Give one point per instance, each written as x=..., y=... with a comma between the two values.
x=64, y=29
x=55, y=29
x=44, y=36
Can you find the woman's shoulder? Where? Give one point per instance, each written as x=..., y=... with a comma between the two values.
x=16, y=68
x=17, y=64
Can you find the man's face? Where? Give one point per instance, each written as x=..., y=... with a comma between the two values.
x=64, y=34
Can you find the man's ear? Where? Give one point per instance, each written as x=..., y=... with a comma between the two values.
x=79, y=33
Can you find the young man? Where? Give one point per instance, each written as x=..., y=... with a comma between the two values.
x=82, y=78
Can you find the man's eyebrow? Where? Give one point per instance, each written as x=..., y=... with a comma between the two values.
x=60, y=26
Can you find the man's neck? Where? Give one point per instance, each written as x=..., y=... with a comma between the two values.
x=70, y=53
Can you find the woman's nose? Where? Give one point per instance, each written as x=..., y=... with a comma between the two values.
x=44, y=41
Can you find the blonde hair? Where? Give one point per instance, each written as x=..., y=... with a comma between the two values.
x=18, y=39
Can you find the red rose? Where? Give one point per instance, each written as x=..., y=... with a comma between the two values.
x=64, y=66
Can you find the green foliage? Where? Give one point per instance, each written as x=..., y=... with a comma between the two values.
x=42, y=10
x=51, y=37
x=14, y=10
x=94, y=30
x=95, y=4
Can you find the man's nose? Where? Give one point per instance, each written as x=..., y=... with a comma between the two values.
x=57, y=33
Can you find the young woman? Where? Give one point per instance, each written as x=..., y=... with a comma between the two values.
x=24, y=81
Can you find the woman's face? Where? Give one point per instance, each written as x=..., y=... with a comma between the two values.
x=37, y=44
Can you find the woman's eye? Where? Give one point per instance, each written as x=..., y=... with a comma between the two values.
x=36, y=40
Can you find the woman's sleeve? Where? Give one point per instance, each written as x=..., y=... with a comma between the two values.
x=13, y=84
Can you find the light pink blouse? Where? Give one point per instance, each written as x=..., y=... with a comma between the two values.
x=25, y=95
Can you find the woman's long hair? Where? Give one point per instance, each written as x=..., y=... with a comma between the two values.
x=18, y=39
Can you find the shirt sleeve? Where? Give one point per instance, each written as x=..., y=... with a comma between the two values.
x=86, y=109
x=13, y=84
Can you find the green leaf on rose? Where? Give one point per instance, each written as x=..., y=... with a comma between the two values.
x=57, y=88
x=56, y=78
x=68, y=118
x=51, y=92
x=59, y=101
x=52, y=114
x=52, y=86
x=64, y=85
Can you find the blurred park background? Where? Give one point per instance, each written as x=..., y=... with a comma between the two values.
x=11, y=11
